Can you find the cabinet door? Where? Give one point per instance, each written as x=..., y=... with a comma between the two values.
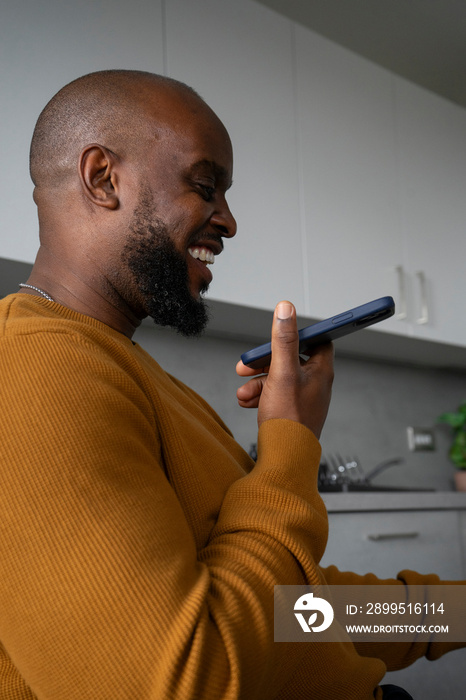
x=386, y=543
x=432, y=152
x=44, y=45
x=348, y=169
x=238, y=56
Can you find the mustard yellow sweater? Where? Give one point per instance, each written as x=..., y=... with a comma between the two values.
x=138, y=545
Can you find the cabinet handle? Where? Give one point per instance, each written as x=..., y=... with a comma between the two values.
x=393, y=536
x=424, y=316
x=403, y=312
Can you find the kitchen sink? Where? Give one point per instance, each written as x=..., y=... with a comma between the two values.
x=337, y=475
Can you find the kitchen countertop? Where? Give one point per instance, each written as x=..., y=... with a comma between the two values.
x=394, y=500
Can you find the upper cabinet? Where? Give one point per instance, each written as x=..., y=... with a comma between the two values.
x=383, y=167
x=431, y=147
x=239, y=57
x=349, y=181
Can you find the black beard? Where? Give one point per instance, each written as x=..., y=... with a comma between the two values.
x=161, y=275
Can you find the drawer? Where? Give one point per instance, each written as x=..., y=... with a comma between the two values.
x=384, y=543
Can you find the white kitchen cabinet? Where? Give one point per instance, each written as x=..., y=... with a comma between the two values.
x=431, y=142
x=242, y=66
x=383, y=167
x=348, y=177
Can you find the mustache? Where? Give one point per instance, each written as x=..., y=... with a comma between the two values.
x=206, y=238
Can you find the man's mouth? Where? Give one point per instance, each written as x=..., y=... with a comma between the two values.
x=203, y=254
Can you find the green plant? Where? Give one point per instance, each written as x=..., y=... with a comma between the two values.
x=457, y=421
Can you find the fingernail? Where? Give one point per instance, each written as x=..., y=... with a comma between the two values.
x=284, y=310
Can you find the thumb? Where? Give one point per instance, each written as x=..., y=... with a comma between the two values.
x=285, y=342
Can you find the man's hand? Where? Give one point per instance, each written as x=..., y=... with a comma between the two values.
x=291, y=387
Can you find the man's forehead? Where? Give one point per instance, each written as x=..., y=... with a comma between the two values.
x=199, y=143
x=191, y=131
x=176, y=107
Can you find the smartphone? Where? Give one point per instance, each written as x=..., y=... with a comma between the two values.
x=330, y=329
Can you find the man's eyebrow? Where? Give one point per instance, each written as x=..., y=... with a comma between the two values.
x=218, y=170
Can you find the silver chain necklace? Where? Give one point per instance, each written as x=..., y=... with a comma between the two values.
x=41, y=291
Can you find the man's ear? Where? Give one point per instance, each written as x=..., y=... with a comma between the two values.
x=97, y=171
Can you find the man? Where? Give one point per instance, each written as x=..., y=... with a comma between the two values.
x=139, y=544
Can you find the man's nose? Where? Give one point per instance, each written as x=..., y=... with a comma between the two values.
x=224, y=221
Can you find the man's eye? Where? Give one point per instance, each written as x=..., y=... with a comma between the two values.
x=207, y=192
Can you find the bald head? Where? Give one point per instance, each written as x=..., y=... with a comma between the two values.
x=106, y=107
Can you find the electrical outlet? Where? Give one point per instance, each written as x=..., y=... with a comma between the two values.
x=421, y=439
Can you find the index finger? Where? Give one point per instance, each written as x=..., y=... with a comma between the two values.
x=245, y=371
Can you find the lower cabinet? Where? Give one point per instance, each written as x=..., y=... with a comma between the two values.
x=385, y=543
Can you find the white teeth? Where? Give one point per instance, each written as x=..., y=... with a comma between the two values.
x=203, y=254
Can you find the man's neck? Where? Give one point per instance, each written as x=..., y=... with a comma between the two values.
x=86, y=292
